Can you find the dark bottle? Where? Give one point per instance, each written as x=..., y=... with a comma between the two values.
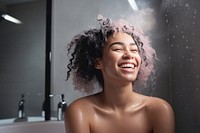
x=61, y=108
x=21, y=113
x=43, y=109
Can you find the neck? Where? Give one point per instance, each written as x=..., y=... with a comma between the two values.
x=118, y=96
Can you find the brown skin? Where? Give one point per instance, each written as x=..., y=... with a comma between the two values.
x=118, y=109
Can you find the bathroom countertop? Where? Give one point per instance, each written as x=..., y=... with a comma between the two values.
x=32, y=127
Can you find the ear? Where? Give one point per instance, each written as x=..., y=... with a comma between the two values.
x=98, y=64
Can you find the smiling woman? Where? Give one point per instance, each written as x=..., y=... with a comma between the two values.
x=88, y=49
x=114, y=55
x=119, y=53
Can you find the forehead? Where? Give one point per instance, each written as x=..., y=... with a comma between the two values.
x=120, y=37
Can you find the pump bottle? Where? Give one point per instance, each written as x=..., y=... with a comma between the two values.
x=61, y=108
x=21, y=113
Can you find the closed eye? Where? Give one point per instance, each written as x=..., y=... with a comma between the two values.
x=134, y=50
x=117, y=49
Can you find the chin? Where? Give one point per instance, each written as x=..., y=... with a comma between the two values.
x=131, y=79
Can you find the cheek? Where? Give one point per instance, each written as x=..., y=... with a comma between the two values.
x=109, y=63
x=110, y=58
x=138, y=60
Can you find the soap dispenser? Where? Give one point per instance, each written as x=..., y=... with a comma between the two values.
x=21, y=113
x=43, y=109
x=61, y=108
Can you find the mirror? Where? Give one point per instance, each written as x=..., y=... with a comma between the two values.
x=22, y=59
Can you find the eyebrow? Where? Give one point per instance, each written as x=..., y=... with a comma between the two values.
x=120, y=43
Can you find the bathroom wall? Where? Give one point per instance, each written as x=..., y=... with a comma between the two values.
x=22, y=59
x=173, y=29
x=182, y=35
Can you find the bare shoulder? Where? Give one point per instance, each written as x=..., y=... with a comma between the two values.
x=77, y=115
x=157, y=104
x=81, y=105
x=160, y=114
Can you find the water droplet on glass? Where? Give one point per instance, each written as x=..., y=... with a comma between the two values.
x=186, y=5
x=166, y=20
x=195, y=11
x=193, y=23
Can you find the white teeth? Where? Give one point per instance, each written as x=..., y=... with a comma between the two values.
x=127, y=66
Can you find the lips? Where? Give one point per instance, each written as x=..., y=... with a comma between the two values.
x=127, y=65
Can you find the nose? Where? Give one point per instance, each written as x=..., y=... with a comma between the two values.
x=128, y=55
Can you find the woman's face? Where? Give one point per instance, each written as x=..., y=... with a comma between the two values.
x=121, y=60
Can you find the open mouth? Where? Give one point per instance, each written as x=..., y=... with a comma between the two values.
x=127, y=65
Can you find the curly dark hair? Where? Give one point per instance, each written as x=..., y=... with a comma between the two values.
x=88, y=46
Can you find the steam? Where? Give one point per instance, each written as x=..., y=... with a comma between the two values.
x=143, y=19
